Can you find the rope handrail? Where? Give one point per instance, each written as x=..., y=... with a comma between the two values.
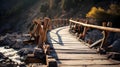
x=97, y=27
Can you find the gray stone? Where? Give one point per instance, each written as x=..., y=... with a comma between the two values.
x=39, y=53
x=116, y=45
x=7, y=41
x=2, y=56
x=18, y=45
x=93, y=35
x=25, y=51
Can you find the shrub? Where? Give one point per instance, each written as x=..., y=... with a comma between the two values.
x=114, y=9
x=112, y=14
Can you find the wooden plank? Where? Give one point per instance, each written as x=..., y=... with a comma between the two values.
x=63, y=56
x=89, y=65
x=71, y=65
x=76, y=51
x=72, y=53
x=87, y=62
x=104, y=65
x=66, y=47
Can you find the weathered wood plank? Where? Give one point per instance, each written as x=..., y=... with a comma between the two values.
x=69, y=52
x=89, y=65
x=76, y=51
x=87, y=62
x=63, y=56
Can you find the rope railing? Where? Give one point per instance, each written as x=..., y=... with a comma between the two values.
x=77, y=26
x=97, y=27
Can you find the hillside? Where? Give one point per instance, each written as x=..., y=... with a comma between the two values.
x=16, y=20
x=16, y=15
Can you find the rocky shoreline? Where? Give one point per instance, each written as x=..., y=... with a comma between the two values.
x=13, y=50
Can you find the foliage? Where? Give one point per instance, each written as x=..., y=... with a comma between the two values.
x=114, y=9
x=100, y=14
x=96, y=13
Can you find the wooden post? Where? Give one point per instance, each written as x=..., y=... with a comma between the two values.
x=104, y=36
x=81, y=36
x=104, y=43
x=70, y=24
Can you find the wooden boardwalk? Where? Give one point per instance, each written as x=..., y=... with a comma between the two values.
x=69, y=52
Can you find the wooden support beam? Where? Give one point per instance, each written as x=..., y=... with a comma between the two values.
x=96, y=43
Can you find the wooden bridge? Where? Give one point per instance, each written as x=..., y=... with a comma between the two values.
x=71, y=52
x=67, y=49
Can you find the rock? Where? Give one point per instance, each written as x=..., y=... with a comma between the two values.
x=7, y=47
x=2, y=56
x=39, y=53
x=22, y=65
x=18, y=45
x=93, y=35
x=13, y=40
x=116, y=36
x=7, y=40
x=116, y=46
x=25, y=51
x=110, y=38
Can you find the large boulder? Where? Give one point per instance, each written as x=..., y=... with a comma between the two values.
x=13, y=40
x=110, y=38
x=116, y=46
x=7, y=42
x=25, y=51
x=2, y=57
x=18, y=45
x=39, y=53
x=93, y=35
x=8, y=39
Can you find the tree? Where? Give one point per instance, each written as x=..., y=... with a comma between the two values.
x=44, y=8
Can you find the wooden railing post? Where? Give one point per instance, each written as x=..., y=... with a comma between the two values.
x=104, y=44
x=62, y=22
x=82, y=35
x=70, y=24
